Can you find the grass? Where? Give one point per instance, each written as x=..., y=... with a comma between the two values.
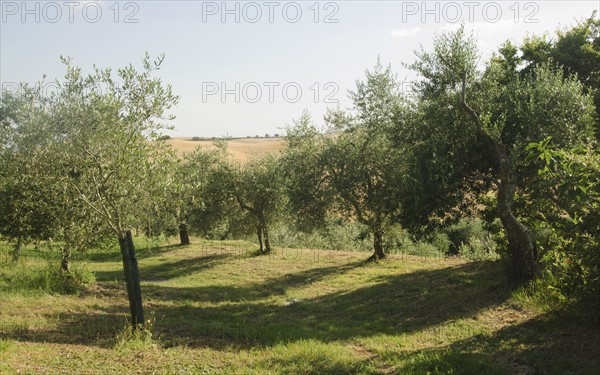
x=215, y=308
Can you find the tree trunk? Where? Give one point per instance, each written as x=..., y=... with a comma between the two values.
x=183, y=234
x=132, y=279
x=377, y=246
x=520, y=241
x=267, y=242
x=16, y=255
x=65, y=262
x=260, y=241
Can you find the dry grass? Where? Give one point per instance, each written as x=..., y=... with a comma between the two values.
x=240, y=149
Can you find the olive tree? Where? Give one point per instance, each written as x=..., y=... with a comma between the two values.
x=574, y=50
x=355, y=171
x=237, y=196
x=499, y=112
x=205, y=180
x=105, y=132
x=26, y=209
x=35, y=203
x=257, y=188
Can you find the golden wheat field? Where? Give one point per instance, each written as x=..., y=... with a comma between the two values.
x=241, y=149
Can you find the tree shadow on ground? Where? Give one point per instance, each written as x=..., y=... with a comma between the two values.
x=168, y=270
x=114, y=255
x=92, y=329
x=246, y=316
x=396, y=304
x=552, y=343
x=249, y=292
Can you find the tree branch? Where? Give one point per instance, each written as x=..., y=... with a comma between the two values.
x=470, y=110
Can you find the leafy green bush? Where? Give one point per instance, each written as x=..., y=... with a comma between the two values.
x=397, y=240
x=479, y=249
x=570, y=206
x=441, y=241
x=422, y=249
x=469, y=239
x=462, y=233
x=336, y=235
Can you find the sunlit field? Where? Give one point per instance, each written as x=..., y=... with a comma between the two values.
x=240, y=149
x=354, y=187
x=215, y=307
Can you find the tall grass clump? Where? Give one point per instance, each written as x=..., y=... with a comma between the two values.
x=140, y=338
x=38, y=271
x=46, y=278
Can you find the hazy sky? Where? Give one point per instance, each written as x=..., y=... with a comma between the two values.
x=246, y=68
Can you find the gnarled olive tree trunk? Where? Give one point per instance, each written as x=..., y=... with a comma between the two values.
x=260, y=240
x=378, y=252
x=265, y=231
x=67, y=251
x=520, y=241
x=16, y=255
x=378, y=245
x=65, y=261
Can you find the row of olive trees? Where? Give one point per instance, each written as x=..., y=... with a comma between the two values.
x=416, y=160
x=88, y=162
x=351, y=171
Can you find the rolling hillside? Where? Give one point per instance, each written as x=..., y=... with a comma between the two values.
x=240, y=148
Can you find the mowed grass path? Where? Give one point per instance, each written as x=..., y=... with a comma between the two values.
x=217, y=309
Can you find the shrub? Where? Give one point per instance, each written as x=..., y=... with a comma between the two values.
x=479, y=249
x=462, y=233
x=336, y=235
x=441, y=241
x=397, y=239
x=422, y=249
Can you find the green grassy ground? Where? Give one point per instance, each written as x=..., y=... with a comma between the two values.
x=216, y=309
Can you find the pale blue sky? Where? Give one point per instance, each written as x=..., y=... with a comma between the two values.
x=203, y=53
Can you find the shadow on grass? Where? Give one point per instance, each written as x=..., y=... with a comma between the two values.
x=114, y=255
x=168, y=270
x=553, y=343
x=398, y=304
x=92, y=329
x=222, y=316
x=443, y=361
x=248, y=293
